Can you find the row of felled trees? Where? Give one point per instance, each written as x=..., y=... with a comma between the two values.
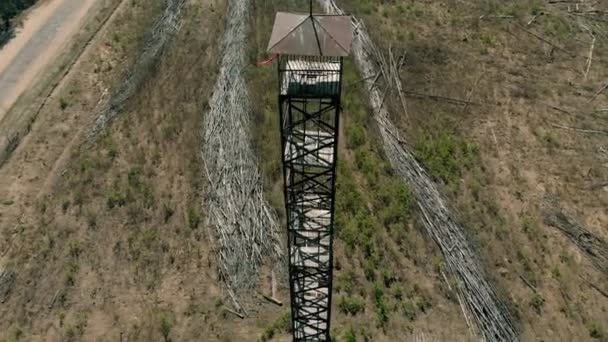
x=10, y=9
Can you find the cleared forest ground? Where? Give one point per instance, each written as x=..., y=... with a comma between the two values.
x=487, y=104
x=94, y=252
x=111, y=242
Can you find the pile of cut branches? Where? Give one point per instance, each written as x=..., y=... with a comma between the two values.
x=243, y=223
x=591, y=245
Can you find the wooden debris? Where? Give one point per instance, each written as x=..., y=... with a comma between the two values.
x=239, y=315
x=597, y=93
x=470, y=96
x=580, y=130
x=597, y=288
x=272, y=300
x=537, y=36
x=527, y=282
x=7, y=280
x=157, y=39
x=242, y=223
x=591, y=245
x=534, y=18
x=54, y=299
x=590, y=57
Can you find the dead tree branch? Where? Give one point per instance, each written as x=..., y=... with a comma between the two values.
x=580, y=130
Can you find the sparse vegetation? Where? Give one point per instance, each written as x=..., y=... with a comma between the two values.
x=351, y=305
x=281, y=324
x=446, y=156
x=596, y=332
x=164, y=326
x=537, y=302
x=194, y=218
x=63, y=103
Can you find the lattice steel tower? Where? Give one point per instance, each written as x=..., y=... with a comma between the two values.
x=310, y=49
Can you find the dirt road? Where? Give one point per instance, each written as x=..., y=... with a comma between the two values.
x=46, y=30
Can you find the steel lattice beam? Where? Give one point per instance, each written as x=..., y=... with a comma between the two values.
x=309, y=101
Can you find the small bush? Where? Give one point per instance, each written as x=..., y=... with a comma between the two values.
x=351, y=305
x=537, y=302
x=446, y=156
x=281, y=324
x=409, y=311
x=350, y=335
x=347, y=281
x=355, y=136
x=117, y=199
x=72, y=268
x=596, y=332
x=164, y=326
x=74, y=248
x=63, y=103
x=167, y=212
x=194, y=218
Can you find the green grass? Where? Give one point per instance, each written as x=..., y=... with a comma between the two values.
x=446, y=156
x=351, y=305
x=281, y=324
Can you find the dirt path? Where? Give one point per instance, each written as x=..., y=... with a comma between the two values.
x=45, y=32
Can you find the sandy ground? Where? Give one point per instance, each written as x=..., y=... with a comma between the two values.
x=45, y=31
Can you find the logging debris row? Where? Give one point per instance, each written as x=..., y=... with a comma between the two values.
x=243, y=224
x=161, y=33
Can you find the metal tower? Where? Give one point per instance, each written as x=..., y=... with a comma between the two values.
x=310, y=50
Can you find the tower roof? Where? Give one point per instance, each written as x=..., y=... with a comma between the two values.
x=311, y=35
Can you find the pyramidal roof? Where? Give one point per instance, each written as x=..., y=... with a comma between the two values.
x=311, y=35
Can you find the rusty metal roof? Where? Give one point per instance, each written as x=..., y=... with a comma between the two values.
x=311, y=35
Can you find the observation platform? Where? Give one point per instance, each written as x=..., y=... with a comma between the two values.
x=310, y=77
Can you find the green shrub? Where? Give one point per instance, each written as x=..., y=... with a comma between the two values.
x=381, y=313
x=194, y=218
x=537, y=302
x=117, y=199
x=63, y=103
x=596, y=332
x=346, y=282
x=355, y=136
x=446, y=156
x=409, y=311
x=394, y=202
x=164, y=326
x=350, y=335
x=167, y=212
x=381, y=308
x=281, y=324
x=351, y=305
